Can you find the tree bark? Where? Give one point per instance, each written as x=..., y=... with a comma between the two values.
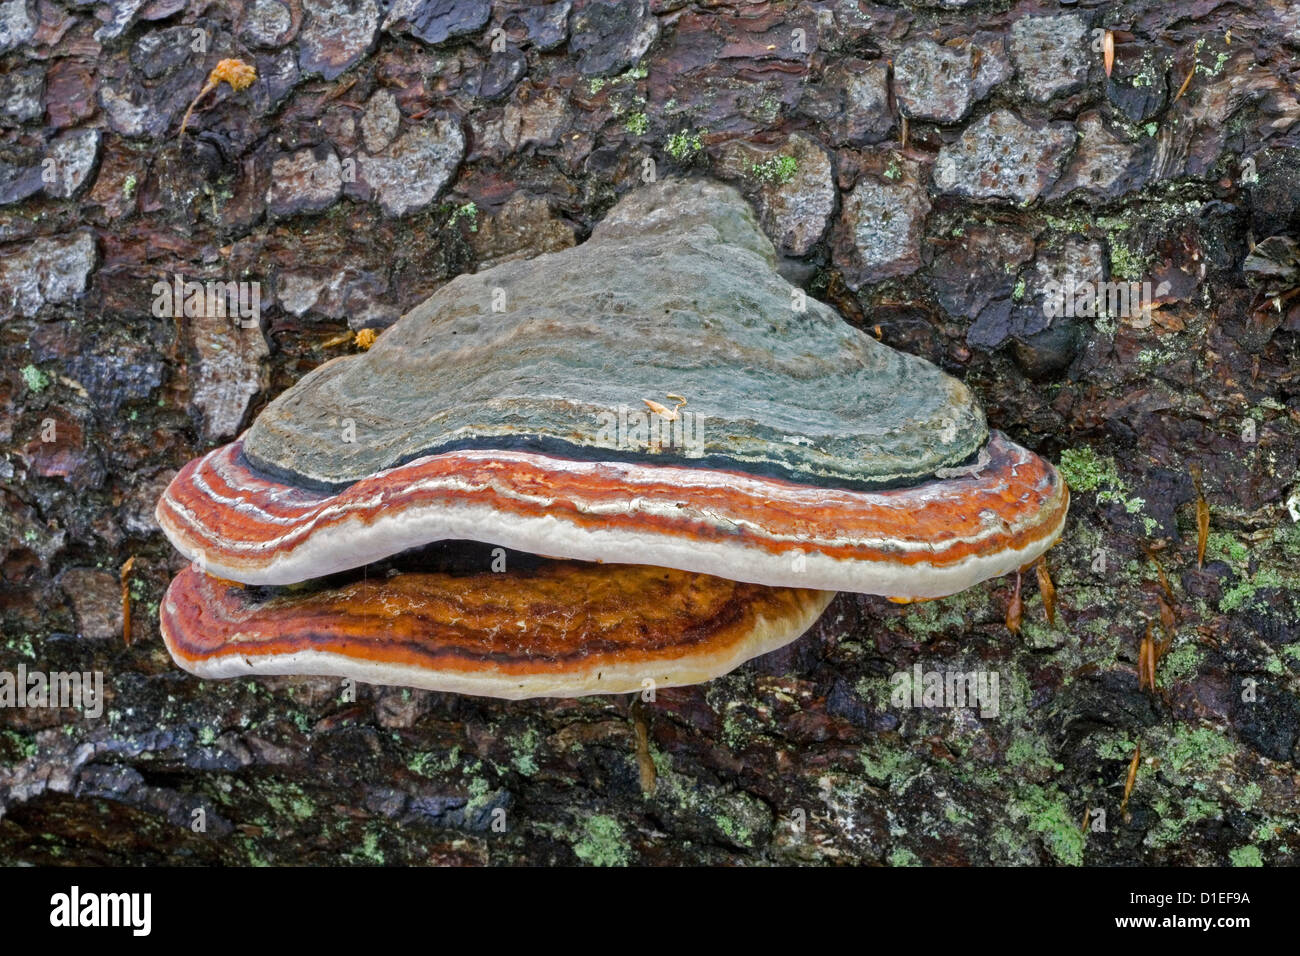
x=372, y=161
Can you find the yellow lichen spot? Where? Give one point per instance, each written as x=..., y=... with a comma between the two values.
x=365, y=338
x=237, y=73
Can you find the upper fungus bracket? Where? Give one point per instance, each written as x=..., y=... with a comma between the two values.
x=676, y=291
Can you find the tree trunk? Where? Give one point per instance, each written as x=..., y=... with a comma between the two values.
x=939, y=173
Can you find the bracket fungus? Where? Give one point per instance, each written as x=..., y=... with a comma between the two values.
x=521, y=408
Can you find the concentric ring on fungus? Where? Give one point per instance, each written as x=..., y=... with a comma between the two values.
x=803, y=458
x=567, y=629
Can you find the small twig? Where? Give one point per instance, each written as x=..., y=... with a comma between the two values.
x=125, y=577
x=1046, y=588
x=664, y=412
x=1132, y=779
x=1202, y=517
x=1167, y=620
x=1015, y=609
x=1144, y=661
x=645, y=762
x=1160, y=570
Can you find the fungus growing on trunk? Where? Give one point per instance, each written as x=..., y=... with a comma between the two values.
x=523, y=408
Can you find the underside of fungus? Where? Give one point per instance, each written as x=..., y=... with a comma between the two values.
x=705, y=456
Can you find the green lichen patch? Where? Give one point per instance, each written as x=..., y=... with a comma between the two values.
x=1182, y=662
x=435, y=764
x=602, y=842
x=524, y=758
x=902, y=856
x=1245, y=592
x=467, y=212
x=1085, y=470
x=1246, y=856
x=684, y=146
x=1189, y=754
x=955, y=613
x=35, y=379
x=16, y=746
x=891, y=766
x=1254, y=571
x=1178, y=818
x=734, y=817
x=776, y=171
x=1045, y=812
x=1125, y=262
x=637, y=124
